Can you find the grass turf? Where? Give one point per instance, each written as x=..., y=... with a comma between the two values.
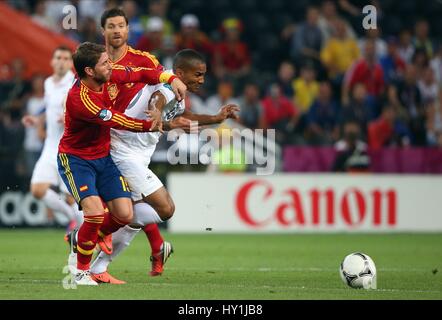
x=230, y=266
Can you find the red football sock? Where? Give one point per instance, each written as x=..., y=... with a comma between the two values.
x=111, y=224
x=87, y=239
x=154, y=236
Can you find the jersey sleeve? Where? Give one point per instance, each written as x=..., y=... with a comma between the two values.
x=89, y=108
x=152, y=76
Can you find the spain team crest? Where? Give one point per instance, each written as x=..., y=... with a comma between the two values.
x=113, y=91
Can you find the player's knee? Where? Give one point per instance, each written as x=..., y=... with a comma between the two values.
x=126, y=217
x=38, y=192
x=167, y=211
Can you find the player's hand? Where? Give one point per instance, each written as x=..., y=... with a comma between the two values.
x=228, y=111
x=179, y=89
x=29, y=121
x=182, y=123
x=157, y=122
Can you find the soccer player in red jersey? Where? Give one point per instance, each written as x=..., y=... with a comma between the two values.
x=84, y=162
x=115, y=30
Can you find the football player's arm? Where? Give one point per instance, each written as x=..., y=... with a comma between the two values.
x=226, y=112
x=91, y=110
x=121, y=74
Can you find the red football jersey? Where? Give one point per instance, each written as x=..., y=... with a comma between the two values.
x=89, y=114
x=133, y=58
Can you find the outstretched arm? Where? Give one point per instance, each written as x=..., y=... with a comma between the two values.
x=226, y=112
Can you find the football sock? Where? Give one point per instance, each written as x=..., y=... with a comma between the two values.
x=154, y=236
x=110, y=224
x=87, y=239
x=120, y=241
x=54, y=201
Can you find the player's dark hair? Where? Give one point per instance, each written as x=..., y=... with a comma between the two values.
x=111, y=13
x=186, y=58
x=87, y=55
x=62, y=48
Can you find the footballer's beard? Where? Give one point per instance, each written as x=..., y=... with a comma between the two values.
x=101, y=79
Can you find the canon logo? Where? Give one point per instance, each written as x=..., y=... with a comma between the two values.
x=316, y=207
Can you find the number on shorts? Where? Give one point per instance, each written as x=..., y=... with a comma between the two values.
x=124, y=184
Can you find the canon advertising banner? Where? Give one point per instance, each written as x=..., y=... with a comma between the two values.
x=306, y=203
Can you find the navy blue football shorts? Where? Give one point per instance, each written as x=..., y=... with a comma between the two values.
x=99, y=177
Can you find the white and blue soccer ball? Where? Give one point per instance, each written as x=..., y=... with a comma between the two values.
x=358, y=271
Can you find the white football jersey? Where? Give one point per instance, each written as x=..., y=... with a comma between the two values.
x=126, y=140
x=55, y=94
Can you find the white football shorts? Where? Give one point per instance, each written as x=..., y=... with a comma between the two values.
x=135, y=169
x=46, y=170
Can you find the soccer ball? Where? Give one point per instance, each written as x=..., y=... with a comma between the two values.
x=357, y=270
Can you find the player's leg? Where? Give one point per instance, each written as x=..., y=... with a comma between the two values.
x=115, y=191
x=160, y=204
x=78, y=215
x=44, y=176
x=121, y=239
x=144, y=214
x=142, y=181
x=79, y=177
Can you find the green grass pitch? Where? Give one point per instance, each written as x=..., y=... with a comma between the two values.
x=230, y=266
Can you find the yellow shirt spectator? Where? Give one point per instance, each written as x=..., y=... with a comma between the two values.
x=305, y=93
x=339, y=54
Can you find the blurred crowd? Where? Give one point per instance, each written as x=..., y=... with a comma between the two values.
x=332, y=83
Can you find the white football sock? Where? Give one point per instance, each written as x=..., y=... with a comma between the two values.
x=144, y=214
x=54, y=201
x=120, y=241
x=78, y=215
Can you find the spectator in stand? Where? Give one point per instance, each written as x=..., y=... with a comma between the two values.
x=231, y=56
x=191, y=37
x=54, y=12
x=34, y=136
x=280, y=114
x=224, y=96
x=421, y=38
x=428, y=87
x=420, y=61
x=307, y=40
x=251, y=112
x=360, y=108
x=381, y=131
x=327, y=22
x=392, y=64
x=159, y=8
x=406, y=48
x=322, y=122
x=374, y=35
x=39, y=16
x=367, y=71
x=339, y=52
x=392, y=99
x=152, y=40
x=286, y=74
x=351, y=150
x=90, y=8
x=434, y=124
x=136, y=28
x=11, y=137
x=306, y=88
x=436, y=65
x=89, y=31
x=410, y=97
x=14, y=87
